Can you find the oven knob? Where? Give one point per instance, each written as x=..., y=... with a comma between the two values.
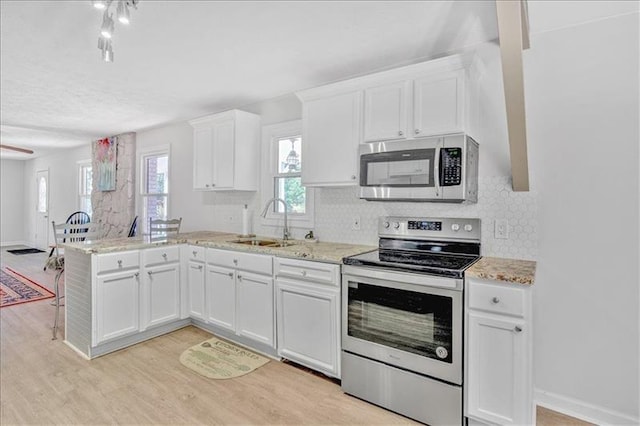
x=468, y=227
x=396, y=225
x=455, y=227
x=386, y=224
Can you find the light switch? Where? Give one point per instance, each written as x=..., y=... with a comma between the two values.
x=501, y=230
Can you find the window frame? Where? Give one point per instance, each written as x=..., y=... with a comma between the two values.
x=81, y=165
x=271, y=134
x=143, y=155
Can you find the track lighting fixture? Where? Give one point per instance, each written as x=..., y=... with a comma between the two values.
x=107, y=28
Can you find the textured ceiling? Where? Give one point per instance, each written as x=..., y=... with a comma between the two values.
x=180, y=60
x=183, y=59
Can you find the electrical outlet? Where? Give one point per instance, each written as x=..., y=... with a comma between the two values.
x=355, y=223
x=501, y=229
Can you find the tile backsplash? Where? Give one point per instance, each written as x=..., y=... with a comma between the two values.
x=335, y=209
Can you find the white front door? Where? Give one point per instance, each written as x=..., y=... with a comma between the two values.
x=42, y=209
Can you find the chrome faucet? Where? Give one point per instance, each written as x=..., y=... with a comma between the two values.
x=285, y=231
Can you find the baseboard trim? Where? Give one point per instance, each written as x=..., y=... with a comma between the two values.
x=13, y=243
x=582, y=410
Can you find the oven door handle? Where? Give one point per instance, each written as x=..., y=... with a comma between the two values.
x=421, y=280
x=436, y=168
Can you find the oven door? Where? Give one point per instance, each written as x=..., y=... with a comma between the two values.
x=412, y=321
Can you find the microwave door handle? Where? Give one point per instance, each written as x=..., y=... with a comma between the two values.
x=436, y=169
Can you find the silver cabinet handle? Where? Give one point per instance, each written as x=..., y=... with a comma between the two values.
x=136, y=275
x=195, y=253
x=518, y=329
x=200, y=267
x=495, y=300
x=304, y=273
x=150, y=273
x=417, y=131
x=400, y=133
x=235, y=261
x=239, y=277
x=213, y=184
x=353, y=177
x=164, y=255
x=119, y=263
x=231, y=274
x=207, y=185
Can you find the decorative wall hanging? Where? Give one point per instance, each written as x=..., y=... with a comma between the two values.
x=106, y=159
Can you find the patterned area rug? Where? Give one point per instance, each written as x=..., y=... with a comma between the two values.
x=218, y=359
x=15, y=288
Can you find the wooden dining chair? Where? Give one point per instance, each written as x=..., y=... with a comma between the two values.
x=74, y=218
x=163, y=228
x=66, y=233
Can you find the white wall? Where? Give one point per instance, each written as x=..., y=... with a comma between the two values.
x=582, y=109
x=11, y=202
x=63, y=187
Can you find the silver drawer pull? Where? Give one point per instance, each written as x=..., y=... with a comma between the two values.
x=495, y=300
x=235, y=261
x=150, y=273
x=164, y=255
x=231, y=274
x=119, y=263
x=200, y=267
x=518, y=329
x=304, y=273
x=195, y=253
x=239, y=277
x=136, y=275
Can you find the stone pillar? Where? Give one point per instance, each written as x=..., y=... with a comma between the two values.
x=114, y=210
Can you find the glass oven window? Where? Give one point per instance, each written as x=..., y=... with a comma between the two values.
x=405, y=320
x=398, y=168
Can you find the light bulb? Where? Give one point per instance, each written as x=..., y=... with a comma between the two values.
x=107, y=51
x=107, y=26
x=123, y=12
x=99, y=4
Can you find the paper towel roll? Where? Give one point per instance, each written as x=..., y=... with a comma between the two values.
x=246, y=230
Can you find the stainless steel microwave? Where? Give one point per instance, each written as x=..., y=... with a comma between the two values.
x=441, y=168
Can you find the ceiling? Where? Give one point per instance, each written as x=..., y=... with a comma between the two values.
x=180, y=60
x=184, y=59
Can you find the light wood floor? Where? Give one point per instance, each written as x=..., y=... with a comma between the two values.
x=44, y=382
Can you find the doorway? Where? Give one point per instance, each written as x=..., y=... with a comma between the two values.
x=42, y=209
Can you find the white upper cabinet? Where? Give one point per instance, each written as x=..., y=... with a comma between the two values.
x=330, y=138
x=226, y=149
x=438, y=104
x=424, y=99
x=385, y=112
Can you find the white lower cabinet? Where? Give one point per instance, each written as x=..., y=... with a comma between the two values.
x=498, y=371
x=196, y=292
x=239, y=293
x=117, y=309
x=254, y=303
x=221, y=297
x=162, y=295
x=308, y=314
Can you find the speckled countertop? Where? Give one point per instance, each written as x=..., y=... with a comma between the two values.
x=499, y=269
x=299, y=249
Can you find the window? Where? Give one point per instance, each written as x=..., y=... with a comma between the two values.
x=154, y=186
x=283, y=177
x=85, y=186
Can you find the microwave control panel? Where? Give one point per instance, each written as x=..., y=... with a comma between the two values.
x=450, y=166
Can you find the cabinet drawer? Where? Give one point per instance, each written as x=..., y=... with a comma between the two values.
x=258, y=263
x=117, y=261
x=496, y=298
x=196, y=253
x=160, y=255
x=304, y=270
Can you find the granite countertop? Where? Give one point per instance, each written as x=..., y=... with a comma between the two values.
x=299, y=249
x=499, y=269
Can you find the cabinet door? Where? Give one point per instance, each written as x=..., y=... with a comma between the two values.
x=330, y=139
x=196, y=300
x=202, y=157
x=496, y=376
x=309, y=325
x=221, y=297
x=439, y=104
x=385, y=112
x=117, y=306
x=255, y=307
x=162, y=295
x=223, y=154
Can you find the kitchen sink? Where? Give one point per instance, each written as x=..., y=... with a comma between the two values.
x=264, y=243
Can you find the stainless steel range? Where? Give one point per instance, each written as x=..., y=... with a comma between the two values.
x=402, y=313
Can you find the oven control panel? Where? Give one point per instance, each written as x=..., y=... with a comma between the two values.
x=428, y=228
